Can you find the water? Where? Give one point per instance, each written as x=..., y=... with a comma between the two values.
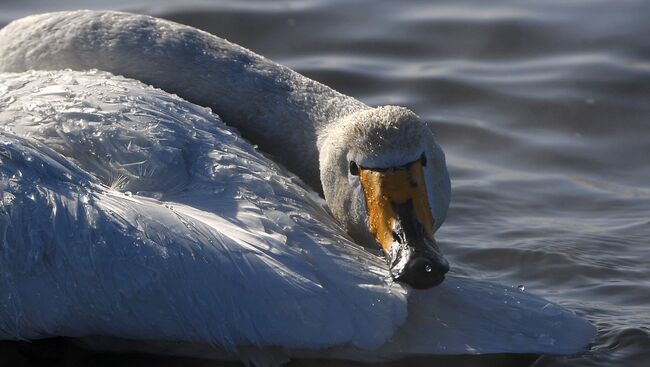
x=541, y=106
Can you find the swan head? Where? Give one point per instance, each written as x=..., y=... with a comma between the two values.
x=385, y=179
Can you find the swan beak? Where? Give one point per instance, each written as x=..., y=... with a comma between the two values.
x=400, y=219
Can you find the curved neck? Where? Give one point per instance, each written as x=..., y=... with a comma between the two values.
x=273, y=106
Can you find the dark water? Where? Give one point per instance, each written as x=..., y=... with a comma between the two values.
x=543, y=108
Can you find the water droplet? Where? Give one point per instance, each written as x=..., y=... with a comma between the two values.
x=84, y=199
x=521, y=287
x=7, y=198
x=428, y=268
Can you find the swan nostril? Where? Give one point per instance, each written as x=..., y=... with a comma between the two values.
x=397, y=238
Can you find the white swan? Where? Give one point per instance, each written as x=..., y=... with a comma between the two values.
x=139, y=215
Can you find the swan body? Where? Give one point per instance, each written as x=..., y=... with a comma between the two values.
x=139, y=215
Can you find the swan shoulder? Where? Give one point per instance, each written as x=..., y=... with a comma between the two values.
x=139, y=215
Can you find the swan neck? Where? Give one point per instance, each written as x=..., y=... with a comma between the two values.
x=276, y=108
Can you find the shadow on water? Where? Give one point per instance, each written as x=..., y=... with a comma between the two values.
x=64, y=352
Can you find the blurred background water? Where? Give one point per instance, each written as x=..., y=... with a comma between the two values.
x=543, y=109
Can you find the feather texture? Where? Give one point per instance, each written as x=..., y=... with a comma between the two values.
x=225, y=248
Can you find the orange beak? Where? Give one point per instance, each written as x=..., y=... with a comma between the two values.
x=400, y=219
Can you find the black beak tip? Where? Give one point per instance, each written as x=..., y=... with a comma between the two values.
x=423, y=273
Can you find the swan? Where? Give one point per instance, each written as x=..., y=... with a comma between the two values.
x=325, y=136
x=139, y=215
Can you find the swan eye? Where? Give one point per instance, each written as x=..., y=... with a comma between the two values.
x=423, y=160
x=354, y=169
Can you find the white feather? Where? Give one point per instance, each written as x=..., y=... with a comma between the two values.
x=232, y=254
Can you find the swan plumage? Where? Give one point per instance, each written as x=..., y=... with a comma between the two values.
x=139, y=215
x=119, y=254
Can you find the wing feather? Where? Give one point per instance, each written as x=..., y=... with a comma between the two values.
x=139, y=215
